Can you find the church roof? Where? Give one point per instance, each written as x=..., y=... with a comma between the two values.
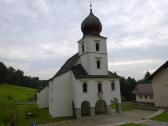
x=79, y=72
x=67, y=65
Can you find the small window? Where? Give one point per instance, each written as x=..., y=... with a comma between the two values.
x=112, y=86
x=84, y=87
x=51, y=100
x=97, y=47
x=99, y=87
x=151, y=97
x=145, y=96
x=83, y=48
x=98, y=64
x=140, y=96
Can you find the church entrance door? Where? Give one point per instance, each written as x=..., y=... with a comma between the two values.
x=85, y=108
x=100, y=107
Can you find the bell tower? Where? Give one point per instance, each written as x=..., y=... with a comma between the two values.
x=92, y=47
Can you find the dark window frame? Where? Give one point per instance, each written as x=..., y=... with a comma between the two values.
x=98, y=63
x=99, y=87
x=85, y=87
x=97, y=46
x=112, y=86
x=83, y=48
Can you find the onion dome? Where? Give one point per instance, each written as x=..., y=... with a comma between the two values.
x=91, y=25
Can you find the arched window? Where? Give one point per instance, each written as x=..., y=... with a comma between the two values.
x=98, y=64
x=99, y=87
x=112, y=86
x=84, y=87
x=83, y=48
x=97, y=47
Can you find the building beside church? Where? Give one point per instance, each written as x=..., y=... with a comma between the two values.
x=160, y=85
x=156, y=92
x=144, y=94
x=83, y=86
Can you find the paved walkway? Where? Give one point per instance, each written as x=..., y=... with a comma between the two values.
x=155, y=123
x=105, y=120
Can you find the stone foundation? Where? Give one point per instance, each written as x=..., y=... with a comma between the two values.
x=108, y=107
x=78, y=113
x=118, y=107
x=92, y=111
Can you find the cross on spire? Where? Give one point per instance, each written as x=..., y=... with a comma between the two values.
x=90, y=6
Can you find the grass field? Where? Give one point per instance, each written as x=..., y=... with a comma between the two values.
x=43, y=116
x=17, y=92
x=9, y=95
x=125, y=106
x=162, y=117
x=132, y=124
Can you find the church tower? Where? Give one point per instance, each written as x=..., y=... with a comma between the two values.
x=92, y=47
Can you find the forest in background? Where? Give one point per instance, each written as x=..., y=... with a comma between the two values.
x=14, y=76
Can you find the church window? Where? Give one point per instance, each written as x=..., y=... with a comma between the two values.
x=84, y=87
x=145, y=96
x=140, y=96
x=112, y=86
x=83, y=48
x=98, y=64
x=97, y=47
x=151, y=97
x=99, y=87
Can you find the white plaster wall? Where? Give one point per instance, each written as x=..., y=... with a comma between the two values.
x=42, y=98
x=143, y=99
x=160, y=88
x=89, y=57
x=92, y=94
x=61, y=102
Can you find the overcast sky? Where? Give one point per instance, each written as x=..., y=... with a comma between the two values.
x=37, y=36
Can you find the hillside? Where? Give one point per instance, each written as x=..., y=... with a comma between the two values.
x=10, y=95
x=19, y=93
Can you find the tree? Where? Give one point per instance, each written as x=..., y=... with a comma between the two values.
x=146, y=78
x=3, y=72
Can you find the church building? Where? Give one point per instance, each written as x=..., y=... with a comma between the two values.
x=83, y=86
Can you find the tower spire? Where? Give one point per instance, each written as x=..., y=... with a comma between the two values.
x=90, y=6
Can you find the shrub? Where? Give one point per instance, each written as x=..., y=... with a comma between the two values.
x=7, y=116
x=9, y=97
x=31, y=111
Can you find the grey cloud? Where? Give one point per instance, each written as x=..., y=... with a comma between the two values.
x=38, y=36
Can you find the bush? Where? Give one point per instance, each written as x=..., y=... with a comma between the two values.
x=7, y=116
x=9, y=97
x=31, y=111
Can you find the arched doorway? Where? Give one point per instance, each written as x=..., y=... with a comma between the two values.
x=85, y=108
x=114, y=103
x=100, y=107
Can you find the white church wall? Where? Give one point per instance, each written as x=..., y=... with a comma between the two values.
x=61, y=103
x=92, y=94
x=42, y=98
x=92, y=61
x=90, y=55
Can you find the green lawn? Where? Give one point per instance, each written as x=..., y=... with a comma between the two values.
x=17, y=92
x=132, y=124
x=125, y=106
x=162, y=117
x=9, y=95
x=43, y=116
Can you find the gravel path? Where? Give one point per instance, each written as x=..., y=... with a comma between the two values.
x=105, y=120
x=155, y=123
